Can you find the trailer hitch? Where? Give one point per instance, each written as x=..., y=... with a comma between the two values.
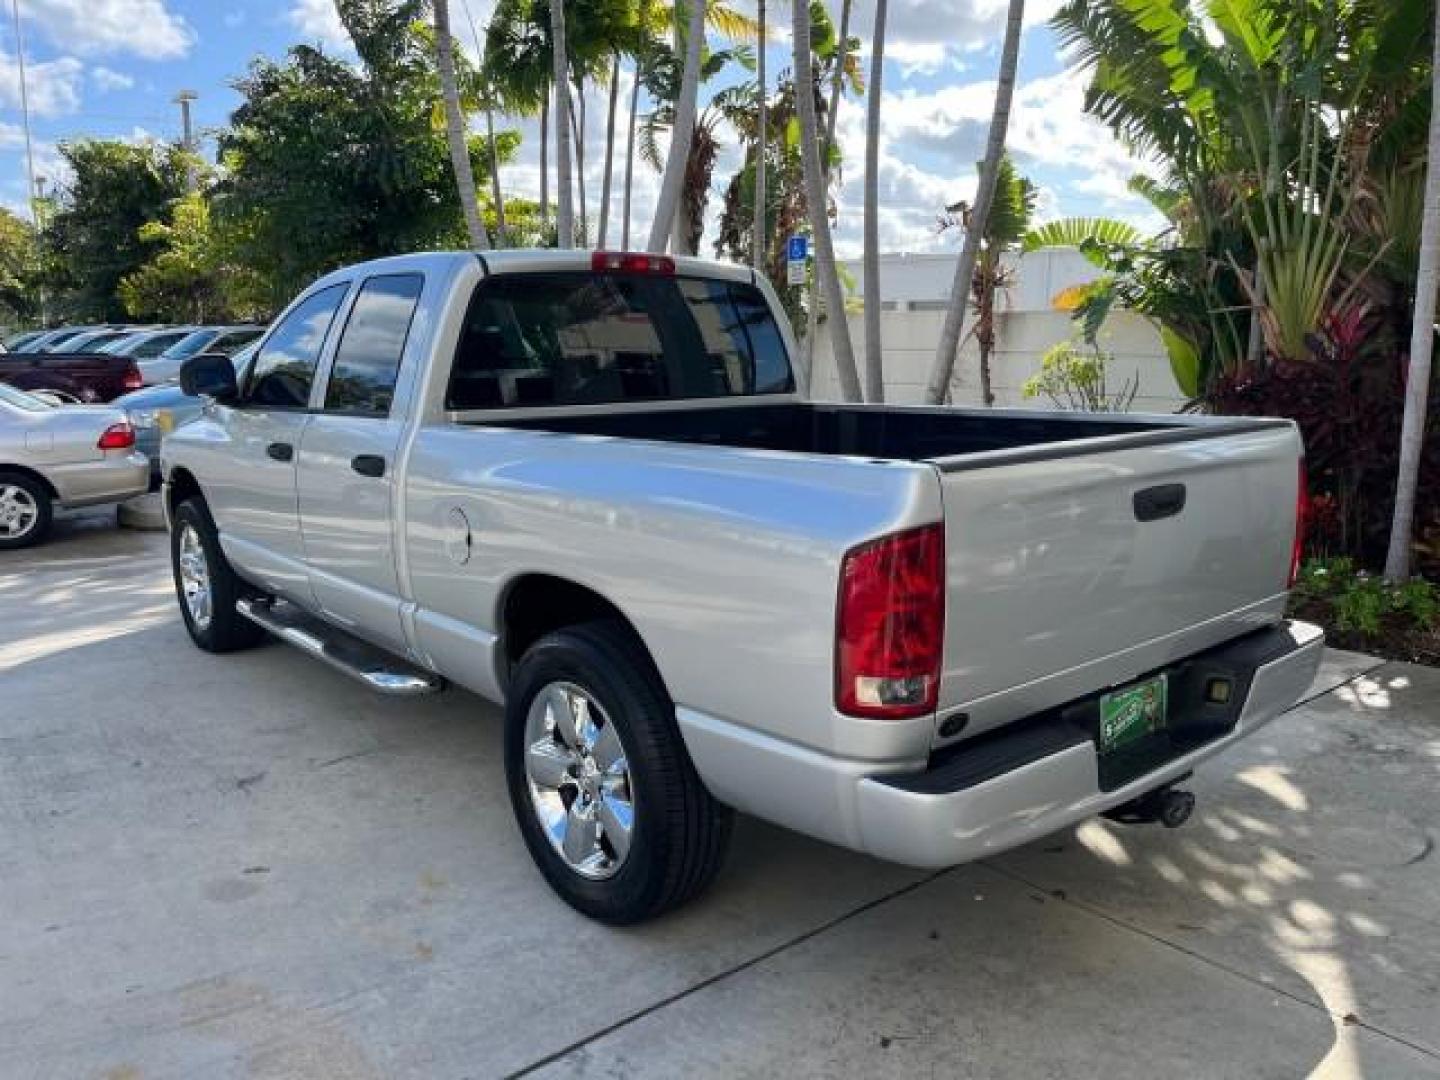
x=1168, y=806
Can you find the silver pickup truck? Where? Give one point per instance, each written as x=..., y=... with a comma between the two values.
x=584, y=485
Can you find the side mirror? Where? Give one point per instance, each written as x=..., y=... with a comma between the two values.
x=209, y=375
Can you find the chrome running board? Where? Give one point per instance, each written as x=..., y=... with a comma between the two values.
x=377, y=669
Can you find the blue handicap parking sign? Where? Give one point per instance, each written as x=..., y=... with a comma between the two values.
x=797, y=249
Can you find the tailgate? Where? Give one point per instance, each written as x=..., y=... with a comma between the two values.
x=1074, y=568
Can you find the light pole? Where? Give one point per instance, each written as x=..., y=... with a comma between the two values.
x=40, y=243
x=183, y=99
x=25, y=111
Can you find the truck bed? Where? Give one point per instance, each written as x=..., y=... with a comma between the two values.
x=886, y=432
x=89, y=376
x=1083, y=550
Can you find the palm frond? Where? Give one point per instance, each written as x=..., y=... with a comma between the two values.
x=1077, y=231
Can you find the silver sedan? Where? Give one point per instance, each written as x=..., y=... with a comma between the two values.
x=67, y=456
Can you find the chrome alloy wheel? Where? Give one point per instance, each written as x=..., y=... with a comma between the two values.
x=195, y=577
x=18, y=512
x=579, y=780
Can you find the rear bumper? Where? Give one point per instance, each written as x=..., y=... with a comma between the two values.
x=114, y=478
x=948, y=815
x=1000, y=789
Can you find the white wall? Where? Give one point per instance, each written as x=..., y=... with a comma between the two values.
x=913, y=291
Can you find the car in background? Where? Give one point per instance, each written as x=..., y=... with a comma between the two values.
x=56, y=337
x=90, y=376
x=93, y=340
x=16, y=342
x=67, y=456
x=205, y=339
x=146, y=343
x=155, y=411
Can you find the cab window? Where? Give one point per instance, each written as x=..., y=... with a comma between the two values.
x=367, y=360
x=285, y=367
x=574, y=338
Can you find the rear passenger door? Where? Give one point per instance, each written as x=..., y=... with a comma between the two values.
x=347, y=463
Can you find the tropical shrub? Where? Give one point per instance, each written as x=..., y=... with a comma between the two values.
x=1347, y=399
x=1073, y=376
x=1363, y=610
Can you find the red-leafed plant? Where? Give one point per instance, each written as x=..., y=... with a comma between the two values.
x=1347, y=398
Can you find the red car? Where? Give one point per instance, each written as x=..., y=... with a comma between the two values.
x=85, y=376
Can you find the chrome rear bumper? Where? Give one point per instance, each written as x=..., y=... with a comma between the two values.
x=957, y=810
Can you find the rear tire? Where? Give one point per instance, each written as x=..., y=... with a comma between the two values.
x=26, y=511
x=591, y=740
x=205, y=584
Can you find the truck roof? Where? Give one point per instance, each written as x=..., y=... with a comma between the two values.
x=522, y=260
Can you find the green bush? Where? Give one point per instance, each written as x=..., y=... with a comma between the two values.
x=1073, y=376
x=1364, y=603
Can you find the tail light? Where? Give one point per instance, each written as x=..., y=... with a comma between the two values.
x=631, y=262
x=119, y=436
x=133, y=380
x=1302, y=515
x=890, y=625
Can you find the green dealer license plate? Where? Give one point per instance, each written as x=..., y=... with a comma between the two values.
x=1132, y=712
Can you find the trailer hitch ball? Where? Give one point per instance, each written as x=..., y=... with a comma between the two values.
x=1175, y=808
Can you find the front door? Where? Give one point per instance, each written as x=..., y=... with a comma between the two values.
x=347, y=463
x=254, y=498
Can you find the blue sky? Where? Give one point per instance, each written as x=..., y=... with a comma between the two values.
x=112, y=68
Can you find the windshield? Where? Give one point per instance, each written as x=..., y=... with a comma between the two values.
x=117, y=343
x=21, y=400
x=544, y=339
x=241, y=361
x=189, y=345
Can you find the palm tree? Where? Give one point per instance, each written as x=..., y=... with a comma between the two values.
x=487, y=95
x=455, y=128
x=642, y=49
x=757, y=239
x=1006, y=229
x=837, y=80
x=560, y=87
x=605, y=182
x=841, y=61
x=1422, y=346
x=944, y=365
x=826, y=271
x=874, y=362
x=681, y=132
x=518, y=69
x=495, y=195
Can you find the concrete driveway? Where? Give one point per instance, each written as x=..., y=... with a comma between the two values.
x=249, y=866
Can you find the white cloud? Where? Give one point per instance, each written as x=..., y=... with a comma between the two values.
x=108, y=79
x=51, y=171
x=916, y=57
x=144, y=28
x=53, y=86
x=319, y=22
x=938, y=29
x=932, y=141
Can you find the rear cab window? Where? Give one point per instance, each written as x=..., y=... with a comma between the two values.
x=367, y=359
x=584, y=338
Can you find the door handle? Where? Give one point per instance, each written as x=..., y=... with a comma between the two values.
x=1163, y=501
x=281, y=451
x=368, y=464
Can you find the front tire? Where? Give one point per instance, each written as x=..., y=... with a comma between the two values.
x=205, y=584
x=25, y=511
x=605, y=795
